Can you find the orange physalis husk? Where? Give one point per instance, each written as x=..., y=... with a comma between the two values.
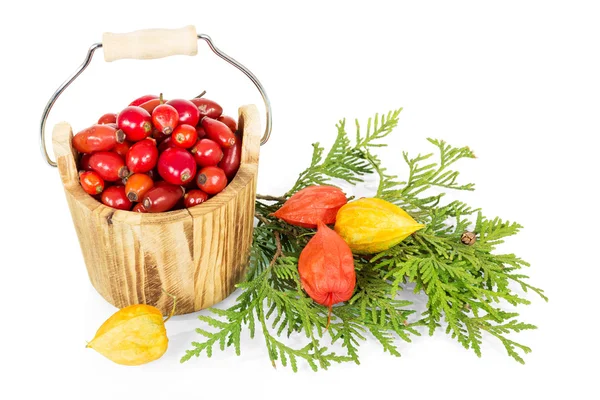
x=311, y=204
x=326, y=268
x=134, y=335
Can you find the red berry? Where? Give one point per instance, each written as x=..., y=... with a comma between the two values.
x=229, y=121
x=211, y=180
x=97, y=138
x=188, y=112
x=110, y=166
x=165, y=144
x=137, y=186
x=142, y=156
x=176, y=166
x=194, y=197
x=122, y=148
x=158, y=135
x=108, y=118
x=231, y=159
x=150, y=105
x=165, y=118
x=139, y=207
x=143, y=99
x=207, y=152
x=200, y=132
x=184, y=136
x=91, y=182
x=218, y=131
x=84, y=162
x=115, y=197
x=135, y=122
x=207, y=108
x=162, y=197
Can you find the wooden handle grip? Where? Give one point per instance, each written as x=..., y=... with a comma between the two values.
x=149, y=44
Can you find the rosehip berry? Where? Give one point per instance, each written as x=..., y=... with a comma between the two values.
x=97, y=138
x=108, y=118
x=165, y=144
x=143, y=99
x=135, y=122
x=194, y=197
x=207, y=108
x=231, y=159
x=200, y=132
x=142, y=156
x=165, y=118
x=211, y=180
x=122, y=148
x=207, y=152
x=176, y=166
x=162, y=197
x=137, y=186
x=229, y=121
x=110, y=166
x=84, y=162
x=188, y=112
x=158, y=135
x=139, y=207
x=218, y=131
x=115, y=197
x=91, y=182
x=184, y=136
x=150, y=105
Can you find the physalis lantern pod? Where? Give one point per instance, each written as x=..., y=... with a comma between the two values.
x=312, y=204
x=371, y=225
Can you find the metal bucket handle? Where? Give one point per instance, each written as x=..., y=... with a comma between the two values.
x=151, y=44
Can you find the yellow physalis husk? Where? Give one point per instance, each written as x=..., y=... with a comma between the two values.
x=372, y=225
x=134, y=335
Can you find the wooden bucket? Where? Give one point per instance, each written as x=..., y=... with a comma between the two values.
x=197, y=254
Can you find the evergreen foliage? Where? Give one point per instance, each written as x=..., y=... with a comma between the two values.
x=469, y=288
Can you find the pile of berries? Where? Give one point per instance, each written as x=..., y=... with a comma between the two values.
x=157, y=155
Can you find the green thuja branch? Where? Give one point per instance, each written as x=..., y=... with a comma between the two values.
x=467, y=286
x=347, y=161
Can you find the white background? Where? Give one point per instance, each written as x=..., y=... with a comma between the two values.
x=518, y=81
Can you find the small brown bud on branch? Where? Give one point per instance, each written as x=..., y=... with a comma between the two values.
x=468, y=238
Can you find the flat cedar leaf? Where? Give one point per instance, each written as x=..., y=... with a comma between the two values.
x=466, y=286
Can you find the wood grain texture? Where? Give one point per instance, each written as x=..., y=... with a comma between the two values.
x=196, y=254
